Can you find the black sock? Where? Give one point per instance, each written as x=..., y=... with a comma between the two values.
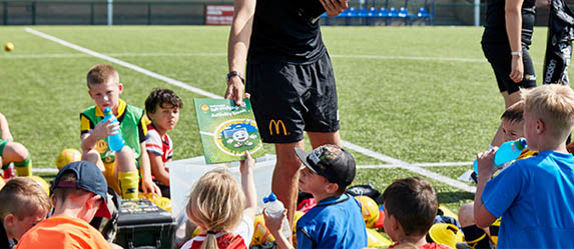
x=475, y=237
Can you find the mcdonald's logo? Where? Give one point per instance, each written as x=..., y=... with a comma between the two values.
x=277, y=124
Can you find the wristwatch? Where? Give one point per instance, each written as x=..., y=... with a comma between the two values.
x=519, y=53
x=233, y=74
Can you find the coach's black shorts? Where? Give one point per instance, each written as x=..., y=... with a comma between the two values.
x=289, y=99
x=498, y=54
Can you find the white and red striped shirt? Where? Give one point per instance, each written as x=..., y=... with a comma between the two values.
x=160, y=146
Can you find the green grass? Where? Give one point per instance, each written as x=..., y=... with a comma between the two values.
x=415, y=110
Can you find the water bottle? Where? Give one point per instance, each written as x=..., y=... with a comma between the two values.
x=116, y=141
x=274, y=208
x=507, y=152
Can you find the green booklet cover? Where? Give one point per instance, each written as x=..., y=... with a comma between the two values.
x=227, y=130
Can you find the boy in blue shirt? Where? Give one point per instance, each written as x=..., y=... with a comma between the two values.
x=534, y=196
x=336, y=221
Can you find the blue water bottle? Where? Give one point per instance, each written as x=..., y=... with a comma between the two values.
x=115, y=142
x=507, y=152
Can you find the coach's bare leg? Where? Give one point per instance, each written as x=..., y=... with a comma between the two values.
x=509, y=99
x=321, y=138
x=285, y=182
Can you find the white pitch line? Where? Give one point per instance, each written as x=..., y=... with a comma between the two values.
x=183, y=85
x=375, y=166
x=412, y=168
x=387, y=166
x=125, y=64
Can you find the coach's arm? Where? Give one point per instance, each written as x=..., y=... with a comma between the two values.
x=238, y=46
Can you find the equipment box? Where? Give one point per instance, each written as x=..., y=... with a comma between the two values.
x=142, y=224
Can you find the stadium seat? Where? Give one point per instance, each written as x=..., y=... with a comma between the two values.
x=423, y=13
x=383, y=12
x=363, y=12
x=392, y=13
x=403, y=13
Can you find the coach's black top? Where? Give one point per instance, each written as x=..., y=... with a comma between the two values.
x=495, y=26
x=286, y=31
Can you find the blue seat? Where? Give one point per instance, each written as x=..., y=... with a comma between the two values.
x=363, y=12
x=392, y=12
x=403, y=13
x=383, y=12
x=423, y=13
x=373, y=12
x=352, y=12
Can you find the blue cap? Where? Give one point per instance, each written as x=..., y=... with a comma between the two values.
x=90, y=178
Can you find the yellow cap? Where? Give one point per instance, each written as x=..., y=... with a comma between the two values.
x=446, y=234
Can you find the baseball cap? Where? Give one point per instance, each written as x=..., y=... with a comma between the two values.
x=89, y=178
x=331, y=162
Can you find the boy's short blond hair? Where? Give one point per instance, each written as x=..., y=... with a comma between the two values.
x=102, y=74
x=23, y=197
x=554, y=105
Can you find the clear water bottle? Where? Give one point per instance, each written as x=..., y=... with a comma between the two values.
x=115, y=142
x=274, y=209
x=507, y=152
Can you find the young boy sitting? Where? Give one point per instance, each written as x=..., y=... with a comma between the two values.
x=119, y=167
x=336, y=221
x=12, y=152
x=162, y=108
x=410, y=208
x=512, y=129
x=79, y=193
x=534, y=196
x=23, y=203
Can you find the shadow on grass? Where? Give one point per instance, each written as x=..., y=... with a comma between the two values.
x=454, y=197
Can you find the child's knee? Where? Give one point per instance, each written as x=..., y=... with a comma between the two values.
x=91, y=156
x=16, y=152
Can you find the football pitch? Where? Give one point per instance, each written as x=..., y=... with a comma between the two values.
x=412, y=100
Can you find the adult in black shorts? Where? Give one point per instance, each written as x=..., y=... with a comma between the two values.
x=507, y=35
x=289, y=78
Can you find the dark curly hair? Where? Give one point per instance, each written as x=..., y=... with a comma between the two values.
x=162, y=97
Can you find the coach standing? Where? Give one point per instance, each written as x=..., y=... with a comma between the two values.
x=507, y=35
x=289, y=78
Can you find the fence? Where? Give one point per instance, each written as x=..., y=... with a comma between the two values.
x=361, y=12
x=95, y=13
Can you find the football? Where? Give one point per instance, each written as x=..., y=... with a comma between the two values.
x=67, y=156
x=9, y=46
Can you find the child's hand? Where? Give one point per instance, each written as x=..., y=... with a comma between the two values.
x=274, y=224
x=149, y=186
x=105, y=129
x=247, y=164
x=486, y=164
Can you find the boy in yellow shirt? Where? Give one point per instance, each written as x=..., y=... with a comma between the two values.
x=120, y=168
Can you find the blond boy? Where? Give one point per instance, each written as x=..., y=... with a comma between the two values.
x=120, y=167
x=23, y=203
x=534, y=196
